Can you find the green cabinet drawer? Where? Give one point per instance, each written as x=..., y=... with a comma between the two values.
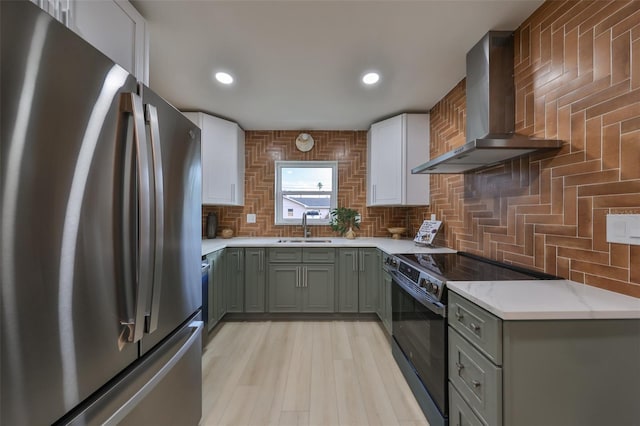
x=318, y=255
x=476, y=378
x=285, y=254
x=460, y=414
x=482, y=329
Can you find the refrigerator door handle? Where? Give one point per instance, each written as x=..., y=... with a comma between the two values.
x=132, y=103
x=156, y=155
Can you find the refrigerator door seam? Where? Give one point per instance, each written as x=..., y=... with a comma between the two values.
x=133, y=103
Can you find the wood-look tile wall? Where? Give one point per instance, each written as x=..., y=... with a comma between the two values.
x=577, y=77
x=263, y=148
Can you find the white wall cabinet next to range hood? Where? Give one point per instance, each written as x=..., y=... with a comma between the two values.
x=394, y=147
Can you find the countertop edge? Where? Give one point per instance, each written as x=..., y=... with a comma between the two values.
x=388, y=245
x=570, y=300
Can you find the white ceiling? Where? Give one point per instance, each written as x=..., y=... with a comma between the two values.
x=297, y=64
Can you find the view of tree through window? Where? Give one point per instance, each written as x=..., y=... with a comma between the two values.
x=305, y=187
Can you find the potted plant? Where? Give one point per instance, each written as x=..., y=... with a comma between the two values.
x=343, y=220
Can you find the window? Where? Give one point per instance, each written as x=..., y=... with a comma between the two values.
x=305, y=186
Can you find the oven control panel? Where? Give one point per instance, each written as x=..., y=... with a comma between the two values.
x=412, y=273
x=423, y=280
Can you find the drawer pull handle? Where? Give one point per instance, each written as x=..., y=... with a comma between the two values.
x=459, y=314
x=459, y=366
x=474, y=327
x=476, y=384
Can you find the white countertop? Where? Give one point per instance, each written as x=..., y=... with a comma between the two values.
x=388, y=245
x=547, y=299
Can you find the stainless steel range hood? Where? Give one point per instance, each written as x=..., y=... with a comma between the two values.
x=490, y=112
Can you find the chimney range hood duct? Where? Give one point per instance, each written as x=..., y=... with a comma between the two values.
x=490, y=112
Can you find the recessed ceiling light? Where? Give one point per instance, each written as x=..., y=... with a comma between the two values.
x=370, y=78
x=224, y=78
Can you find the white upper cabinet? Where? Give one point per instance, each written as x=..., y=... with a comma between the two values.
x=394, y=147
x=222, y=160
x=116, y=29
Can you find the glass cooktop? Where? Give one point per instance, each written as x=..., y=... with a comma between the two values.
x=467, y=267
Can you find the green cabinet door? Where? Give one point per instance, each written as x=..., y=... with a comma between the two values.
x=347, y=280
x=211, y=307
x=254, y=280
x=386, y=302
x=368, y=279
x=285, y=287
x=380, y=305
x=234, y=285
x=318, y=288
x=216, y=281
x=220, y=291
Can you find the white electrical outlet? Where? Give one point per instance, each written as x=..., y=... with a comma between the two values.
x=623, y=228
x=251, y=218
x=433, y=216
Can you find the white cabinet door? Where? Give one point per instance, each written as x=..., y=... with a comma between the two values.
x=394, y=147
x=416, y=187
x=116, y=29
x=222, y=160
x=386, y=161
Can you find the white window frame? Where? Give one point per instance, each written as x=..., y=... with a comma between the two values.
x=279, y=194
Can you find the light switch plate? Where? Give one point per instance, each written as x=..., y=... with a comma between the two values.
x=623, y=228
x=251, y=218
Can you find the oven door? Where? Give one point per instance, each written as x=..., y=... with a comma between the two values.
x=419, y=327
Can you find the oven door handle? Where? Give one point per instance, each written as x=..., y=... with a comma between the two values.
x=433, y=305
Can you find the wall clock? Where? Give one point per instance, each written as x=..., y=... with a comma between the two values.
x=304, y=142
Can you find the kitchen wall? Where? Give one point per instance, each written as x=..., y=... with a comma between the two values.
x=577, y=76
x=262, y=148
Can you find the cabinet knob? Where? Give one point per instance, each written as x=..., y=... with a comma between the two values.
x=474, y=327
x=459, y=366
x=476, y=384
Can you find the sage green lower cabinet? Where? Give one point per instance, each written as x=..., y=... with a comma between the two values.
x=348, y=280
x=254, y=279
x=369, y=261
x=305, y=285
x=460, y=414
x=384, y=310
x=234, y=285
x=284, y=288
x=301, y=288
x=541, y=372
x=358, y=279
x=217, y=304
x=318, y=285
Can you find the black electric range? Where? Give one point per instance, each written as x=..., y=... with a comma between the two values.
x=419, y=317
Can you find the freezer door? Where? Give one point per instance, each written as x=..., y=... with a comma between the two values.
x=163, y=389
x=67, y=195
x=176, y=292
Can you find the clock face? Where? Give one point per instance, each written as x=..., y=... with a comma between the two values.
x=304, y=142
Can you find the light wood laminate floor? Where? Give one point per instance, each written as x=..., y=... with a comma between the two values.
x=304, y=373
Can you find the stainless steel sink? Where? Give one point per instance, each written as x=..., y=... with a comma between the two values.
x=304, y=241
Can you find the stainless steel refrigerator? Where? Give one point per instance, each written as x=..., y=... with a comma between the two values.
x=100, y=236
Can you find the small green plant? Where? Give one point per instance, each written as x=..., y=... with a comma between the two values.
x=344, y=218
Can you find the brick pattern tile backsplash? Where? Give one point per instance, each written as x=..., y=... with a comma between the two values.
x=577, y=78
x=349, y=148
